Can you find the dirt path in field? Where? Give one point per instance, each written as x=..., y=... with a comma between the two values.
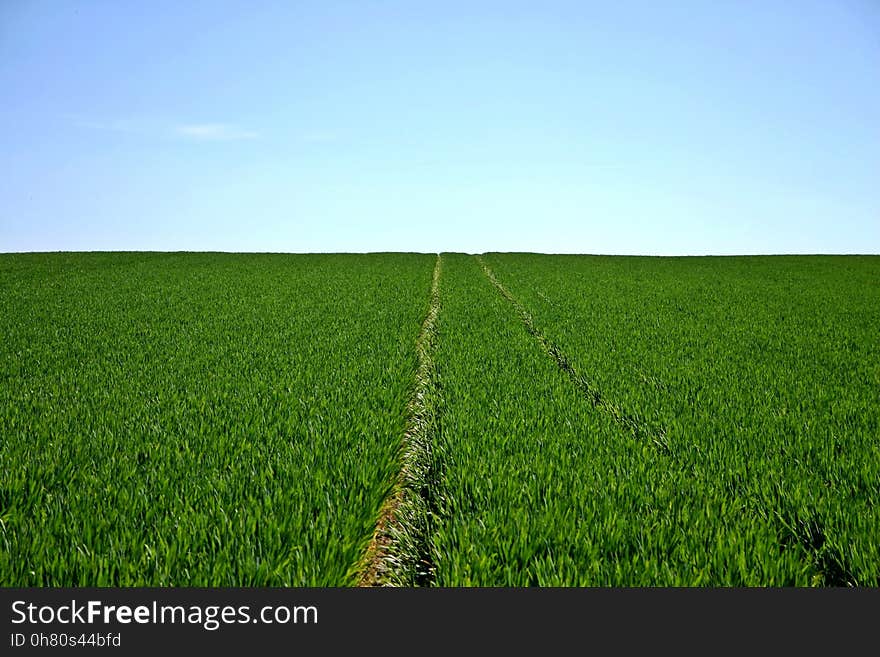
x=398, y=552
x=638, y=429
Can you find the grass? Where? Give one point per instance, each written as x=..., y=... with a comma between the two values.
x=217, y=419
x=200, y=419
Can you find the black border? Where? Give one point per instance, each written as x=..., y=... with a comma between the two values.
x=542, y=620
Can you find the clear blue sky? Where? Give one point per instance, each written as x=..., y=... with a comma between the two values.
x=741, y=126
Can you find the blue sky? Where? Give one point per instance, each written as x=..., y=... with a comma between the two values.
x=609, y=127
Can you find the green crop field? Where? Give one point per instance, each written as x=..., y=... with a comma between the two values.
x=200, y=419
x=758, y=381
x=186, y=419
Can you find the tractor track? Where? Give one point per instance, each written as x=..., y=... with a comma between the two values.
x=398, y=553
x=637, y=428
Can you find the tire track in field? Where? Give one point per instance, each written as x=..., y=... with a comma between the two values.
x=639, y=430
x=398, y=552
x=643, y=375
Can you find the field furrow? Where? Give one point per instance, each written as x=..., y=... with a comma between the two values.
x=398, y=553
x=639, y=429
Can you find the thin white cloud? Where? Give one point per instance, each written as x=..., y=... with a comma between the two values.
x=159, y=129
x=214, y=132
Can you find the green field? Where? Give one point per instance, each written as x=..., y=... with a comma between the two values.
x=293, y=420
x=172, y=419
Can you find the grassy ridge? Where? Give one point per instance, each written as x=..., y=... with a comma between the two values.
x=762, y=372
x=200, y=419
x=399, y=552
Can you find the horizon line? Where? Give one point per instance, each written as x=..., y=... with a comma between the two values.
x=419, y=252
